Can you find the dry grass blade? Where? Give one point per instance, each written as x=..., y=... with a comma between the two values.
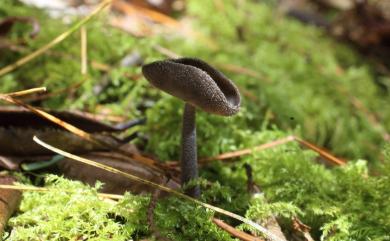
x=69, y=90
x=43, y=189
x=157, y=186
x=247, y=151
x=55, y=41
x=83, y=50
x=85, y=135
x=234, y=154
x=50, y=117
x=25, y=92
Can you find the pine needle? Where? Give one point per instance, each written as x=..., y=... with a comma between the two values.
x=25, y=92
x=43, y=189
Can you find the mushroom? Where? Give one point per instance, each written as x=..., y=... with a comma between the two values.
x=199, y=85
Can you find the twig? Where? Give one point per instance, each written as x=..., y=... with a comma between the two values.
x=235, y=232
x=321, y=152
x=247, y=151
x=229, y=155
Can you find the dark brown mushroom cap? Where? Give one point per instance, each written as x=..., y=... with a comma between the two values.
x=195, y=82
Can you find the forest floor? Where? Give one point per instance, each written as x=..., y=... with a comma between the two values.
x=90, y=150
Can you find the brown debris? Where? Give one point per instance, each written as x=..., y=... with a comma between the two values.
x=6, y=25
x=270, y=222
x=301, y=230
x=235, y=232
x=366, y=24
x=9, y=201
x=327, y=157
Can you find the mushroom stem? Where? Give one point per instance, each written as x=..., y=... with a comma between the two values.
x=189, y=160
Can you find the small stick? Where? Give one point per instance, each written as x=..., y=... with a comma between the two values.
x=322, y=152
x=235, y=232
x=229, y=155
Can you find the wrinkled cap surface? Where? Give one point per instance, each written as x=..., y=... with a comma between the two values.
x=195, y=82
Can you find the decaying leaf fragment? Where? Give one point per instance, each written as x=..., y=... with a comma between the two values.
x=18, y=126
x=114, y=183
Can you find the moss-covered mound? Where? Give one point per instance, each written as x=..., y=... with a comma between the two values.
x=340, y=204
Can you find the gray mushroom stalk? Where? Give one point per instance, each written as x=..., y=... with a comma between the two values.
x=201, y=86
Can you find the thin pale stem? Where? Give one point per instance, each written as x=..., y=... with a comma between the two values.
x=189, y=159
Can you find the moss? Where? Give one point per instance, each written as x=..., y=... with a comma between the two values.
x=343, y=203
x=58, y=215
x=73, y=211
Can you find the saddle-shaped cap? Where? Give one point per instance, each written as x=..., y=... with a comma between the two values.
x=195, y=82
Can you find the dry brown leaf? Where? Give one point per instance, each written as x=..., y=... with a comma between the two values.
x=9, y=201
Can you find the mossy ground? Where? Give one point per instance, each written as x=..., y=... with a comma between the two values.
x=306, y=83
